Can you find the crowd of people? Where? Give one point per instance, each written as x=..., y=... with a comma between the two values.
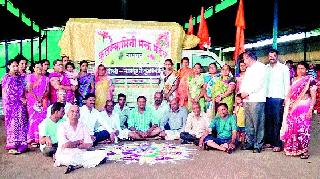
x=67, y=113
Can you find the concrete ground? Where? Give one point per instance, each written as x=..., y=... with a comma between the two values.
x=205, y=164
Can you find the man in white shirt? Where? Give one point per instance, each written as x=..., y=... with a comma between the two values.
x=111, y=119
x=92, y=118
x=197, y=123
x=278, y=83
x=253, y=91
x=61, y=99
x=73, y=141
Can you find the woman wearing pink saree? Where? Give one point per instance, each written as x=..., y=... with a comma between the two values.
x=295, y=131
x=37, y=101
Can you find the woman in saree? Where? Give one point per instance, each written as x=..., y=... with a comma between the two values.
x=86, y=83
x=169, y=81
x=37, y=102
x=15, y=110
x=223, y=89
x=196, y=88
x=209, y=81
x=299, y=103
x=184, y=73
x=104, y=88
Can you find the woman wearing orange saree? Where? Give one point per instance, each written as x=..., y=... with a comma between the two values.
x=295, y=131
x=184, y=73
x=104, y=88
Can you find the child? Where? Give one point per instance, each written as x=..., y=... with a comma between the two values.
x=239, y=113
x=71, y=73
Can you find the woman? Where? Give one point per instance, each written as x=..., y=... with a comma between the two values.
x=223, y=89
x=104, y=88
x=196, y=88
x=86, y=83
x=37, y=102
x=184, y=73
x=168, y=81
x=15, y=110
x=299, y=103
x=209, y=81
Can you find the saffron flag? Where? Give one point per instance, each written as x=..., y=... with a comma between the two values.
x=190, y=28
x=241, y=25
x=203, y=33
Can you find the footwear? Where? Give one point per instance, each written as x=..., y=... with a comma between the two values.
x=14, y=152
x=304, y=156
x=276, y=149
x=70, y=168
x=267, y=146
x=256, y=150
x=246, y=147
x=184, y=142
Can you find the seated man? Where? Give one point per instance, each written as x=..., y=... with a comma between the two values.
x=174, y=121
x=48, y=130
x=160, y=108
x=141, y=121
x=123, y=110
x=112, y=119
x=73, y=141
x=225, y=126
x=92, y=118
x=197, y=124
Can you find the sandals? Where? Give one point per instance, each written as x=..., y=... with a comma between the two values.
x=276, y=149
x=14, y=152
x=35, y=145
x=304, y=156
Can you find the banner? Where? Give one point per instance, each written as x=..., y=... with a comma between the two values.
x=134, y=59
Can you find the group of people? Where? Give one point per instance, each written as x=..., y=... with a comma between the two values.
x=261, y=107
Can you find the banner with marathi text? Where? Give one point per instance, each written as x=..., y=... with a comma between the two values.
x=134, y=59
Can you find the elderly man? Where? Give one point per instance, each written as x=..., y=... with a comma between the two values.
x=226, y=127
x=142, y=122
x=174, y=121
x=73, y=141
x=48, y=130
x=197, y=124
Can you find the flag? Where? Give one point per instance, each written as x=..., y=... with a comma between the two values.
x=190, y=28
x=240, y=25
x=203, y=33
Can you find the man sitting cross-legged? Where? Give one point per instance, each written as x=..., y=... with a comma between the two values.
x=73, y=142
x=225, y=126
x=48, y=130
x=142, y=122
x=174, y=121
x=197, y=124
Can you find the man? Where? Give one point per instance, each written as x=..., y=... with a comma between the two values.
x=174, y=121
x=58, y=80
x=278, y=84
x=65, y=59
x=159, y=107
x=253, y=91
x=197, y=124
x=48, y=129
x=73, y=142
x=112, y=119
x=123, y=110
x=61, y=99
x=142, y=122
x=92, y=119
x=226, y=127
